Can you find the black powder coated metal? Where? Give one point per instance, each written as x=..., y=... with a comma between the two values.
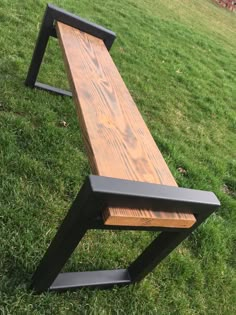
x=74, y=280
x=52, y=89
x=99, y=192
x=131, y=194
x=52, y=14
x=67, y=238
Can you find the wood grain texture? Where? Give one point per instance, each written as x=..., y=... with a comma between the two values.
x=117, y=140
x=145, y=217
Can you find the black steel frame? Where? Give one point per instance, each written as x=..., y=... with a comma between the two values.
x=99, y=192
x=85, y=213
x=52, y=14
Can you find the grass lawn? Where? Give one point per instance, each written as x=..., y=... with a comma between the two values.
x=178, y=59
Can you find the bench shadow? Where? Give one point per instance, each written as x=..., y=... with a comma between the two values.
x=15, y=275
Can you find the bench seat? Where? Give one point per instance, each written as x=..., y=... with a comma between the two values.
x=117, y=140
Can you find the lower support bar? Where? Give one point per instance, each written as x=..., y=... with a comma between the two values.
x=52, y=89
x=101, y=279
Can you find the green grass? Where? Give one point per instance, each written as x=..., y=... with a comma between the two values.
x=178, y=59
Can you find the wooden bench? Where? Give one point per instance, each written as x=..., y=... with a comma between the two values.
x=134, y=187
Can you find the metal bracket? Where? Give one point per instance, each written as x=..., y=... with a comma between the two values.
x=52, y=14
x=99, y=192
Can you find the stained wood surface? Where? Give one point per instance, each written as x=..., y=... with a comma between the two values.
x=117, y=140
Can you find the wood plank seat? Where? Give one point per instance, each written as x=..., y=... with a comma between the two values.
x=117, y=140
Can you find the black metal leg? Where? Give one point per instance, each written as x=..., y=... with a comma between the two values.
x=40, y=47
x=98, y=192
x=159, y=249
x=67, y=238
x=155, y=253
x=53, y=13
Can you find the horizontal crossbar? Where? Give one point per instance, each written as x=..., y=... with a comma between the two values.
x=52, y=89
x=101, y=278
x=131, y=194
x=76, y=21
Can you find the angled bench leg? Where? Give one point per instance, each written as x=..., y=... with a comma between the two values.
x=97, y=193
x=67, y=238
x=47, y=277
x=52, y=14
x=40, y=47
x=159, y=249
